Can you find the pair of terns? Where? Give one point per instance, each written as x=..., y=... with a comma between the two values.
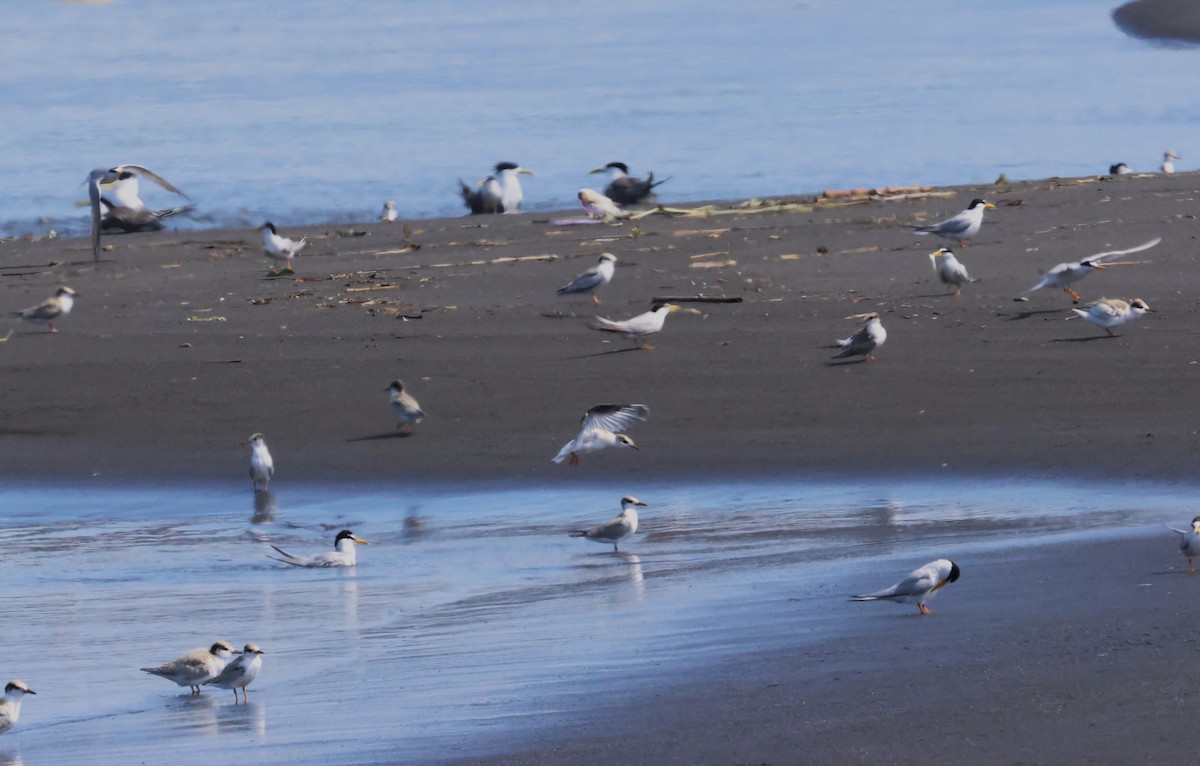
x=637, y=328
x=125, y=212
x=219, y=665
x=501, y=191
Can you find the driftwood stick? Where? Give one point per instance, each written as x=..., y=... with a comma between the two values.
x=697, y=299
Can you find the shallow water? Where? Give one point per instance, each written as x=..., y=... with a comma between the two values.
x=306, y=111
x=471, y=617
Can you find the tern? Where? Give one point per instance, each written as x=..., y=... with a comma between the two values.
x=596, y=277
x=124, y=176
x=920, y=585
x=623, y=526
x=1112, y=312
x=601, y=427
x=389, y=213
x=625, y=190
x=498, y=193
x=197, y=666
x=1120, y=169
x=279, y=248
x=54, y=307
x=117, y=219
x=1065, y=274
x=865, y=341
x=10, y=706
x=406, y=409
x=239, y=673
x=639, y=327
x=961, y=227
x=342, y=555
x=949, y=270
x=599, y=206
x=1189, y=542
x=262, y=467
x=1168, y=163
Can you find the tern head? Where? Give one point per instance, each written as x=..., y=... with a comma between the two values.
x=396, y=385
x=629, y=501
x=268, y=226
x=1170, y=155
x=252, y=648
x=346, y=534
x=390, y=204
x=222, y=649
x=870, y=316
x=16, y=688
x=501, y=167
x=616, y=168
x=65, y=291
x=608, y=257
x=256, y=440
x=954, y=572
x=1196, y=525
x=1088, y=263
x=1139, y=306
x=977, y=202
x=625, y=441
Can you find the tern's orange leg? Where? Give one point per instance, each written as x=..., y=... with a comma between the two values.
x=961, y=243
x=924, y=609
x=1111, y=334
x=595, y=300
x=574, y=459
x=1074, y=295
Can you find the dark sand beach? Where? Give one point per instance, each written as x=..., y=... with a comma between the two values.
x=180, y=347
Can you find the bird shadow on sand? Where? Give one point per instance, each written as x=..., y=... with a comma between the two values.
x=1027, y=314
x=381, y=437
x=1086, y=339
x=835, y=363
x=608, y=353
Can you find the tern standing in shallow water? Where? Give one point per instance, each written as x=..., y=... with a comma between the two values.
x=1112, y=312
x=599, y=429
x=125, y=197
x=406, y=409
x=1065, y=274
x=54, y=307
x=594, y=278
x=10, y=705
x=262, y=467
x=278, y=248
x=864, y=342
x=960, y=227
x=239, y=673
x=625, y=190
x=342, y=555
x=197, y=666
x=623, y=526
x=1189, y=542
x=920, y=585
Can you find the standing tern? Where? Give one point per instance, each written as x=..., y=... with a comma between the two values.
x=623, y=526
x=10, y=706
x=600, y=428
x=599, y=206
x=389, y=213
x=920, y=585
x=125, y=196
x=239, y=673
x=1112, y=312
x=625, y=190
x=596, y=277
x=262, y=467
x=1189, y=542
x=1064, y=274
x=406, y=409
x=1168, y=163
x=54, y=307
x=949, y=270
x=279, y=248
x=197, y=666
x=1120, y=169
x=639, y=327
x=865, y=341
x=961, y=227
x=498, y=193
x=342, y=555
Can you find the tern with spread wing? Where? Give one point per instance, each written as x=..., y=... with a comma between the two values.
x=1065, y=274
x=124, y=177
x=602, y=427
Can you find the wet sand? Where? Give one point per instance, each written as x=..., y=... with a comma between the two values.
x=180, y=347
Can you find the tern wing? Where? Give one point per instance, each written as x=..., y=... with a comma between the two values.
x=1114, y=253
x=857, y=344
x=288, y=558
x=955, y=225
x=614, y=417
x=155, y=177
x=588, y=280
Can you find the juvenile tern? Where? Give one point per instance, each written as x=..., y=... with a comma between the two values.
x=239, y=673
x=280, y=248
x=1120, y=169
x=197, y=666
x=600, y=428
x=389, y=213
x=639, y=327
x=10, y=706
x=1112, y=312
x=961, y=227
x=1189, y=542
x=1168, y=163
x=498, y=193
x=624, y=525
x=342, y=555
x=865, y=341
x=406, y=409
x=920, y=585
x=54, y=307
x=262, y=467
x=1065, y=274
x=949, y=270
x=126, y=194
x=599, y=206
x=625, y=190
x=596, y=277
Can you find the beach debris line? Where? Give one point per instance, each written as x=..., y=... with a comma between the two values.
x=919, y=586
x=602, y=426
x=864, y=342
x=620, y=528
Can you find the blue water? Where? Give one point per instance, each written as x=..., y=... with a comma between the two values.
x=472, y=617
x=310, y=111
